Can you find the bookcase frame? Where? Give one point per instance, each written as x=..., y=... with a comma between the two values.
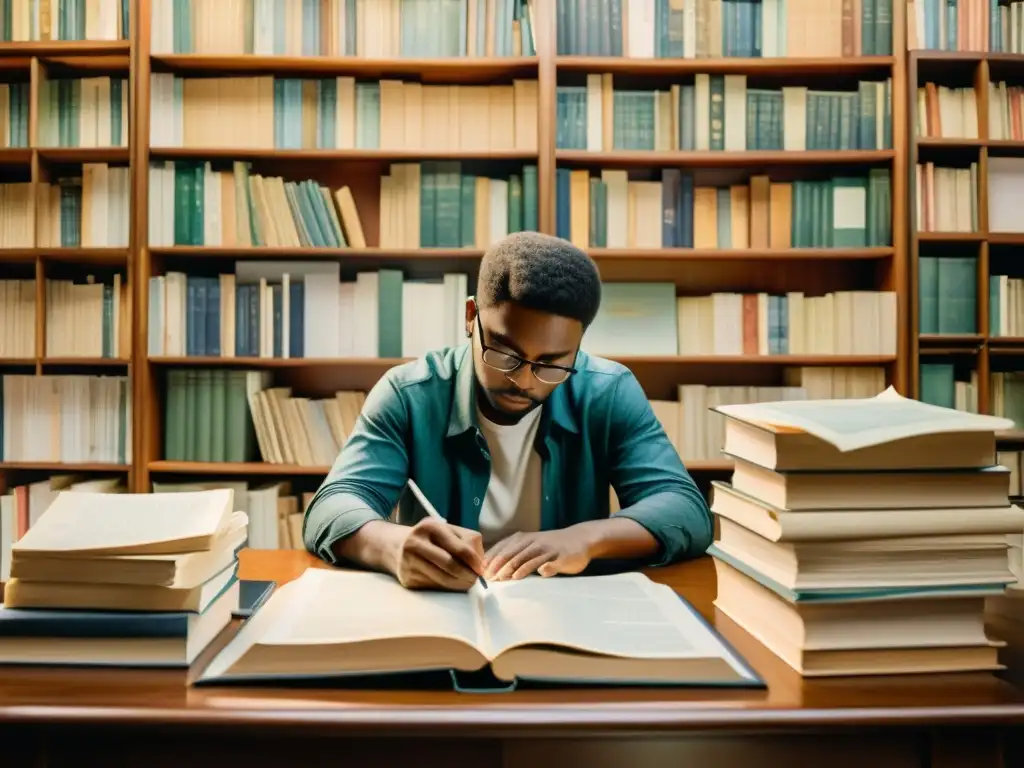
x=981, y=346
x=657, y=374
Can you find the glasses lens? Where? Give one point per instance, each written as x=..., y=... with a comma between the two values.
x=499, y=360
x=550, y=375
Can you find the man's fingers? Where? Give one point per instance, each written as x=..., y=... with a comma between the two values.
x=473, y=538
x=430, y=574
x=550, y=568
x=449, y=540
x=519, y=559
x=499, y=554
x=443, y=559
x=533, y=565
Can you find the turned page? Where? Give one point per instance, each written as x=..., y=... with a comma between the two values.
x=623, y=615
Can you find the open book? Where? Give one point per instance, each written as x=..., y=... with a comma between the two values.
x=622, y=629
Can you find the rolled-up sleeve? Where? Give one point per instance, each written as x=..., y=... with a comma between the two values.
x=652, y=485
x=368, y=476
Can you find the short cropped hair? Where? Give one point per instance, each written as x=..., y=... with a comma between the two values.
x=541, y=272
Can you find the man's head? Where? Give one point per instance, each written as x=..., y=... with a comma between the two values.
x=535, y=297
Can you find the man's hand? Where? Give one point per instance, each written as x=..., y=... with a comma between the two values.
x=436, y=555
x=547, y=553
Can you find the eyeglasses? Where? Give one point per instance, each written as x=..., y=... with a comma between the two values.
x=506, y=362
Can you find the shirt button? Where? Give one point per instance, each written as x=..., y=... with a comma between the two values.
x=476, y=501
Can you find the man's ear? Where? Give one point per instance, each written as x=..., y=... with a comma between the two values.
x=470, y=316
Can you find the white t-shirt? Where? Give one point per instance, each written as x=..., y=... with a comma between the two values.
x=512, y=502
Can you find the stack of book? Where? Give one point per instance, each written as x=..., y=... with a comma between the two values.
x=141, y=580
x=862, y=536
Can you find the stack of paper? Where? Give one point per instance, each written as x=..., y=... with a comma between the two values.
x=123, y=579
x=863, y=536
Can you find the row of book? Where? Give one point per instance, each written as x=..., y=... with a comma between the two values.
x=1005, y=306
x=341, y=113
x=698, y=432
x=421, y=205
x=60, y=20
x=87, y=211
x=17, y=319
x=720, y=112
x=945, y=112
x=946, y=198
x=947, y=385
x=706, y=29
x=88, y=319
x=620, y=209
x=303, y=309
x=990, y=26
x=72, y=419
x=83, y=112
x=14, y=115
x=376, y=29
x=947, y=294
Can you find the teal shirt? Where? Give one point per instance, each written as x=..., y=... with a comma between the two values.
x=597, y=428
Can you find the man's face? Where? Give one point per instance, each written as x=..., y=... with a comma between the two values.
x=527, y=334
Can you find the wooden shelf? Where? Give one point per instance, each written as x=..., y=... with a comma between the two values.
x=56, y=466
x=743, y=254
x=463, y=69
x=950, y=237
x=327, y=254
x=97, y=256
x=722, y=66
x=720, y=159
x=83, y=154
x=47, y=48
x=14, y=156
x=395, y=155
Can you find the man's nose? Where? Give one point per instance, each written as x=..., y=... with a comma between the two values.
x=521, y=377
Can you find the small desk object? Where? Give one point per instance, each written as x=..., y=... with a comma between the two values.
x=78, y=717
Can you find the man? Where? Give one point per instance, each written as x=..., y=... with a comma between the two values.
x=514, y=438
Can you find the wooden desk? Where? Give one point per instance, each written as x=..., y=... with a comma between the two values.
x=121, y=718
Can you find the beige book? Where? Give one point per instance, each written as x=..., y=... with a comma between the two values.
x=622, y=629
x=776, y=524
x=181, y=570
x=91, y=524
x=117, y=597
x=906, y=636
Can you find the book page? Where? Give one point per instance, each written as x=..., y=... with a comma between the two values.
x=336, y=607
x=623, y=615
x=854, y=423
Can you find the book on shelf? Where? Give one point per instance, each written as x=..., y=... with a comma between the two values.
x=88, y=319
x=946, y=198
x=622, y=629
x=53, y=20
x=378, y=29
x=18, y=311
x=290, y=113
x=16, y=203
x=83, y=112
x=705, y=29
x=90, y=210
x=65, y=418
x=14, y=115
x=421, y=205
x=664, y=209
x=1005, y=305
x=862, y=536
x=949, y=282
x=104, y=579
x=944, y=112
x=943, y=385
x=1004, y=106
x=721, y=112
x=1005, y=181
x=988, y=26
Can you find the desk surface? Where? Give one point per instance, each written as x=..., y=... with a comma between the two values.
x=159, y=697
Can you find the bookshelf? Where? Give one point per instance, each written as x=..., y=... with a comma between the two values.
x=519, y=151
x=965, y=345
x=66, y=255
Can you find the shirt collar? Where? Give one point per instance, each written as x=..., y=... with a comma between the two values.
x=556, y=410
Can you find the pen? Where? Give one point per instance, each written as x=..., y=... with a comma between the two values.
x=433, y=513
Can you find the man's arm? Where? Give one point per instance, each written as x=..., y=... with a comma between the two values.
x=347, y=518
x=658, y=498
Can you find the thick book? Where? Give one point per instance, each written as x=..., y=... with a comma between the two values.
x=599, y=630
